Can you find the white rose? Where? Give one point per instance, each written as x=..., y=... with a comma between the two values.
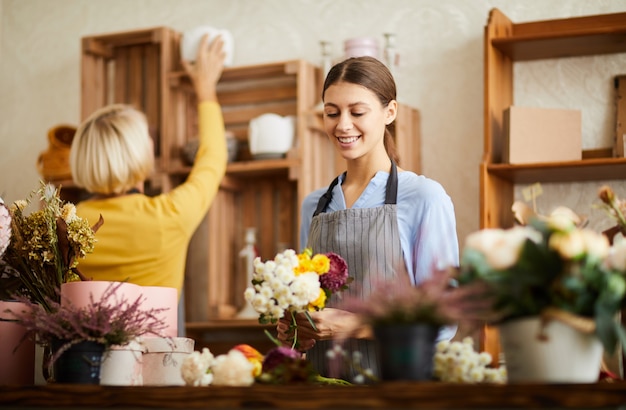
x=596, y=244
x=563, y=219
x=569, y=245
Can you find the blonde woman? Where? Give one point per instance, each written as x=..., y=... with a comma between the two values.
x=144, y=239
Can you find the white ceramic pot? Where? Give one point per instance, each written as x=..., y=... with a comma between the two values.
x=191, y=41
x=271, y=135
x=163, y=358
x=122, y=365
x=565, y=356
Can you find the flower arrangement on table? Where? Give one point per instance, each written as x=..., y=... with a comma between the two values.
x=554, y=268
x=110, y=320
x=458, y=362
x=243, y=365
x=45, y=246
x=294, y=283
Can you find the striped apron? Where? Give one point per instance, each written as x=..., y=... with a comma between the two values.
x=369, y=240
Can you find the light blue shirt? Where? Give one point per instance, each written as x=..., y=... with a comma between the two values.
x=426, y=222
x=426, y=219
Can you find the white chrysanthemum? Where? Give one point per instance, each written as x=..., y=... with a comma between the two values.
x=249, y=293
x=266, y=291
x=476, y=375
x=232, y=369
x=442, y=346
x=195, y=368
x=284, y=273
x=276, y=312
x=260, y=303
x=484, y=359
x=306, y=287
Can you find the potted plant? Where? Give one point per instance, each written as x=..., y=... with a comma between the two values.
x=551, y=275
x=80, y=334
x=406, y=320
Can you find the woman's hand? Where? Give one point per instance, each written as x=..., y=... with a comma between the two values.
x=331, y=324
x=207, y=69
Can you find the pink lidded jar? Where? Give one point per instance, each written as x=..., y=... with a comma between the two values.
x=361, y=46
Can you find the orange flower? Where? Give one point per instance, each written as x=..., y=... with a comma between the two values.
x=254, y=356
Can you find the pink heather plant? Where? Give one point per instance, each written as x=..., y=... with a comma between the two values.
x=112, y=320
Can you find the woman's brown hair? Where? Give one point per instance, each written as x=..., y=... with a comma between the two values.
x=376, y=77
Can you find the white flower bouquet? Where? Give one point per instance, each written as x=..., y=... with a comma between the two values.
x=295, y=283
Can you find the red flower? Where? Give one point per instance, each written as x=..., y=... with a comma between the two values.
x=337, y=276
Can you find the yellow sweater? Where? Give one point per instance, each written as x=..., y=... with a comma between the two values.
x=144, y=240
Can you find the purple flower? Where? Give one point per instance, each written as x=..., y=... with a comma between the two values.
x=337, y=275
x=279, y=355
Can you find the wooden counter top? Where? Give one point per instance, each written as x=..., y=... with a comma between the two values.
x=396, y=395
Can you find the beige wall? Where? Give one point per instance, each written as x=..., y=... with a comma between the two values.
x=440, y=73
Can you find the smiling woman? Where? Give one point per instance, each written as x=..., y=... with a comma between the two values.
x=386, y=222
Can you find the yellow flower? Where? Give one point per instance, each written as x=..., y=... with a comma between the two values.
x=319, y=303
x=320, y=264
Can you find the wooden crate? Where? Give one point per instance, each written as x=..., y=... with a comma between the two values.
x=131, y=67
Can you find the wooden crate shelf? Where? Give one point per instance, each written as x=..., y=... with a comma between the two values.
x=131, y=67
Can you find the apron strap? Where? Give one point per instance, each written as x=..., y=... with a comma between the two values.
x=391, y=196
x=391, y=193
x=325, y=199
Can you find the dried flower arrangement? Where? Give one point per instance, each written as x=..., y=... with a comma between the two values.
x=45, y=246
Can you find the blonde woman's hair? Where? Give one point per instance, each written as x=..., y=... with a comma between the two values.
x=112, y=151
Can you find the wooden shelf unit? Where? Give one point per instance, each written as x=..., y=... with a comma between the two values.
x=142, y=68
x=505, y=43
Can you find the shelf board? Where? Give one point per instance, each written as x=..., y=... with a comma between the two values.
x=570, y=37
x=231, y=324
x=248, y=72
x=261, y=167
x=586, y=170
